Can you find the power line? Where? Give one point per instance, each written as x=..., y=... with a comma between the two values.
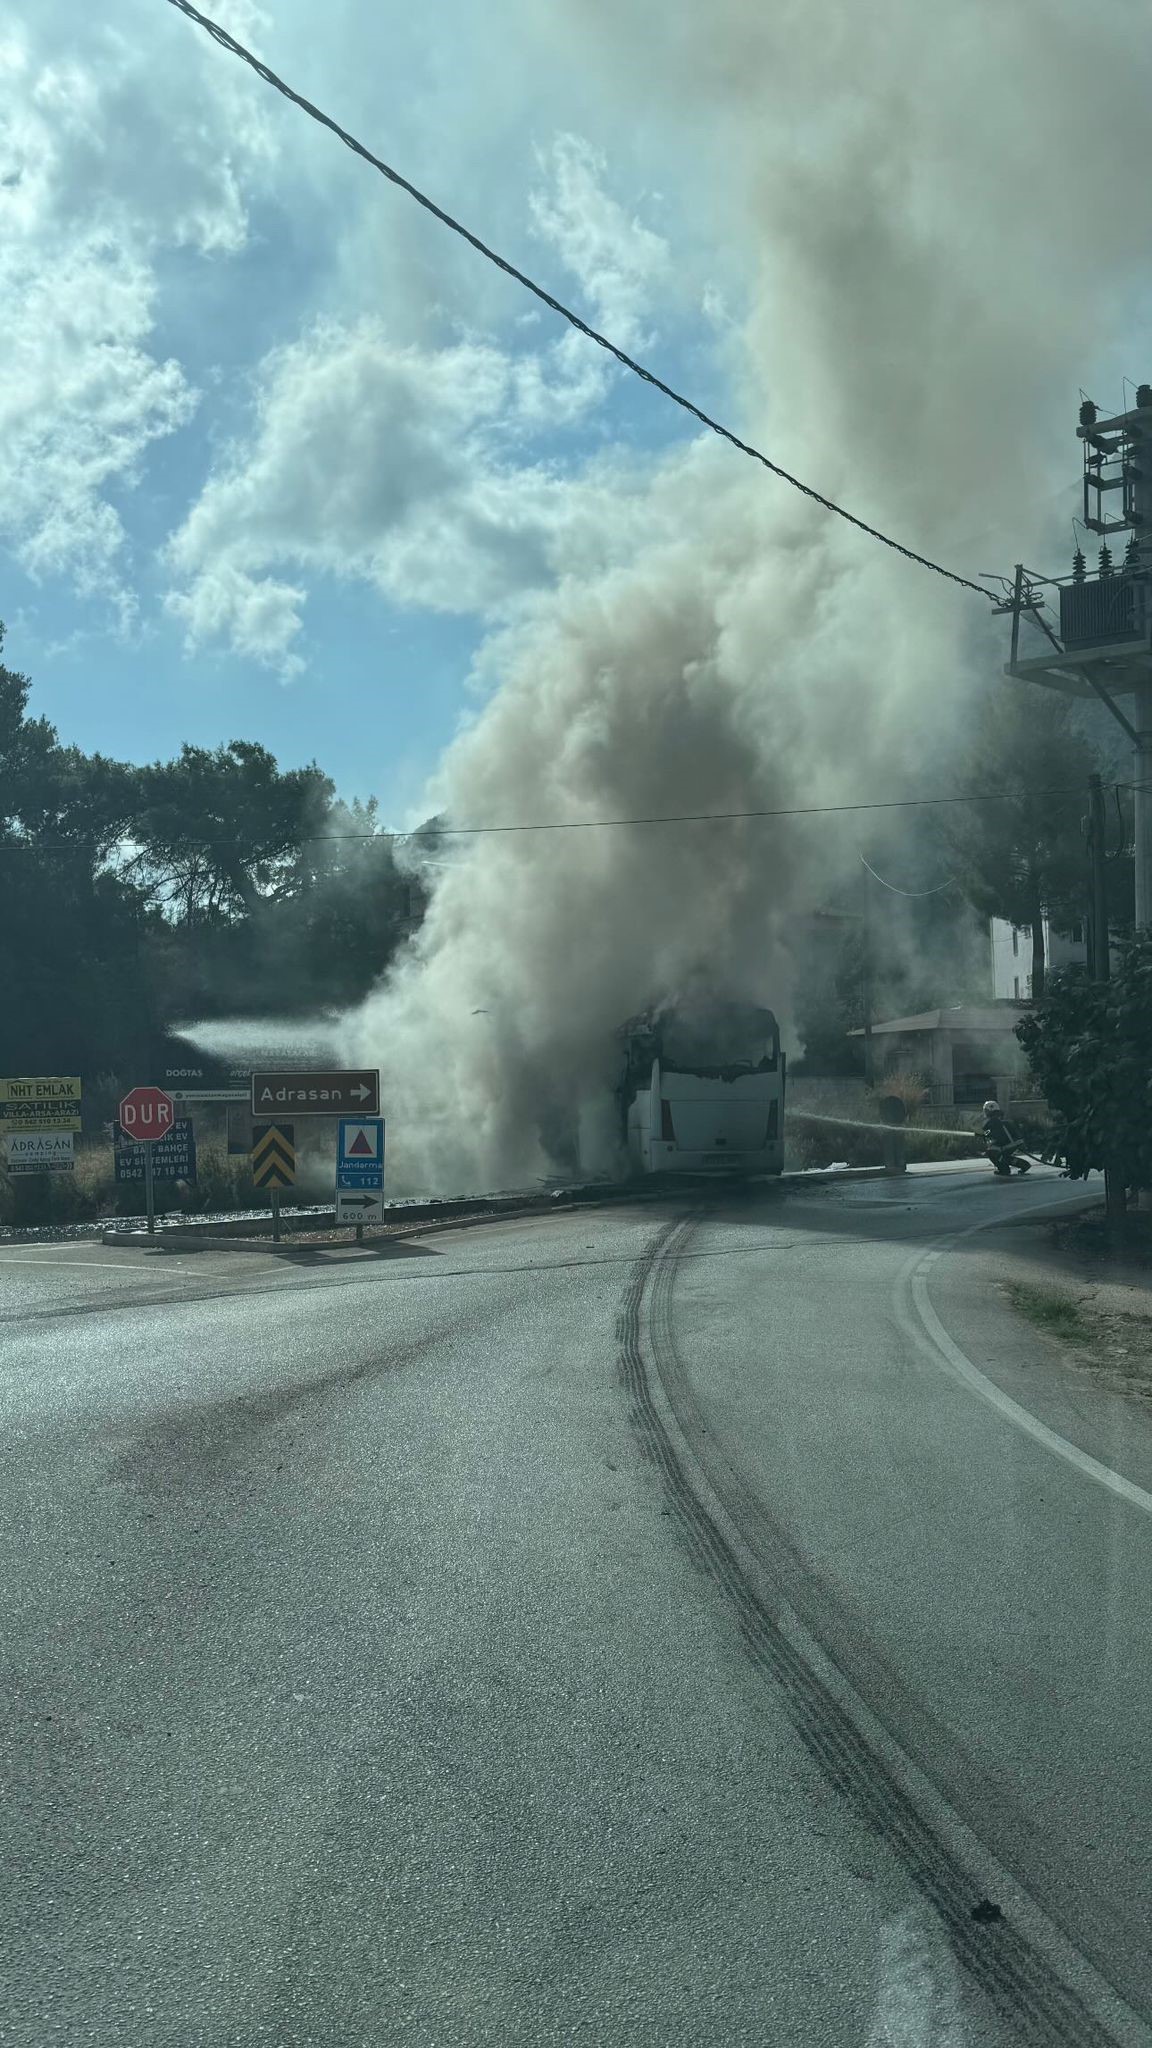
x=228, y=42
x=912, y=894
x=432, y=832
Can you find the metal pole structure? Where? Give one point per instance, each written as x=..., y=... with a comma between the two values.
x=149, y=1198
x=1142, y=713
x=1099, y=961
x=275, y=1215
x=1142, y=805
x=1017, y=595
x=866, y=975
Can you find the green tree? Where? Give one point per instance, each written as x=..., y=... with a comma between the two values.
x=353, y=908
x=1022, y=857
x=219, y=831
x=74, y=990
x=213, y=885
x=1089, y=1044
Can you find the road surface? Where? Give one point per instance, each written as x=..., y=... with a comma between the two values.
x=630, y=1625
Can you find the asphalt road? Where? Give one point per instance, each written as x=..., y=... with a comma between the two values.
x=624, y=1626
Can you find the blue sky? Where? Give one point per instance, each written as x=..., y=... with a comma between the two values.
x=291, y=451
x=279, y=455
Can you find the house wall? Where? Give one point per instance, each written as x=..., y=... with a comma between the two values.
x=1011, y=956
x=959, y=1069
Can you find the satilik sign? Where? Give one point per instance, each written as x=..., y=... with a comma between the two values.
x=44, y=1104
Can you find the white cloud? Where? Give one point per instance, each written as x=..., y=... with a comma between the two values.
x=259, y=616
x=411, y=466
x=80, y=400
x=83, y=393
x=372, y=461
x=619, y=263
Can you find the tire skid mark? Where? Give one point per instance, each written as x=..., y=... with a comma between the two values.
x=1017, y=1979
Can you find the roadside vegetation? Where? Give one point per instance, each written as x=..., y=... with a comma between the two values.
x=1089, y=1045
x=223, y=1181
x=138, y=897
x=1058, y=1314
x=1097, y=1336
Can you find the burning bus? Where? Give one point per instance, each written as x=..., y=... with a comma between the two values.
x=702, y=1090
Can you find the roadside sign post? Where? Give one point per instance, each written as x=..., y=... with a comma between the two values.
x=40, y=1105
x=360, y=1172
x=145, y=1115
x=358, y=1209
x=168, y=1156
x=352, y=1092
x=274, y=1164
x=39, y=1151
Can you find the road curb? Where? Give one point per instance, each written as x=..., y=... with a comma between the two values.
x=226, y=1228
x=483, y=1209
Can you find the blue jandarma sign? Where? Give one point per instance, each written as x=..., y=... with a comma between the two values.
x=360, y=1153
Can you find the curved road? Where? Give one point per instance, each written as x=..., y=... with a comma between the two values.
x=630, y=1625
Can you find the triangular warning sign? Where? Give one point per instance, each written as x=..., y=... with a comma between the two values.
x=360, y=1147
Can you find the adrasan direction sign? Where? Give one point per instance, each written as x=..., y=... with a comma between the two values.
x=355, y=1092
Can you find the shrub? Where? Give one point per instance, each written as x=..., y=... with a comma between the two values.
x=910, y=1088
x=1089, y=1045
x=224, y=1181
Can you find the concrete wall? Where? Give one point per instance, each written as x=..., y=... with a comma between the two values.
x=1011, y=956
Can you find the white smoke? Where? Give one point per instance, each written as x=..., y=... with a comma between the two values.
x=927, y=284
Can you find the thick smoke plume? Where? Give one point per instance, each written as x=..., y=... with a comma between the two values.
x=941, y=224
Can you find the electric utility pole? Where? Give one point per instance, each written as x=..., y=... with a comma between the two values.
x=1099, y=952
x=1104, y=646
x=1099, y=955
x=866, y=975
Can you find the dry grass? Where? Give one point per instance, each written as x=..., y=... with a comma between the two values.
x=90, y=1191
x=1058, y=1315
x=910, y=1088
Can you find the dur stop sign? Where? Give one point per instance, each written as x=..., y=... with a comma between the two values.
x=146, y=1114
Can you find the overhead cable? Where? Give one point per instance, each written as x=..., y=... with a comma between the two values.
x=435, y=831
x=910, y=893
x=237, y=49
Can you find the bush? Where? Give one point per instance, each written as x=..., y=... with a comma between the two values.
x=224, y=1181
x=911, y=1089
x=1089, y=1045
x=812, y=1144
x=44, y=1198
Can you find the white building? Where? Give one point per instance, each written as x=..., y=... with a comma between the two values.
x=1011, y=950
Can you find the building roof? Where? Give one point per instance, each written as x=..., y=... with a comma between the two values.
x=982, y=1019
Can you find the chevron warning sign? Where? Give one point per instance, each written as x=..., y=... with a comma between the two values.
x=273, y=1155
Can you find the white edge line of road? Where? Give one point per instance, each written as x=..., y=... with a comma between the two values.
x=8, y=1258
x=960, y=1365
x=1057, y=1948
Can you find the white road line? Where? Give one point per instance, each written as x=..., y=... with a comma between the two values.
x=959, y=1363
x=97, y=1265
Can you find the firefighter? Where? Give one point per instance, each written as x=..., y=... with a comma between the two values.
x=1001, y=1142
